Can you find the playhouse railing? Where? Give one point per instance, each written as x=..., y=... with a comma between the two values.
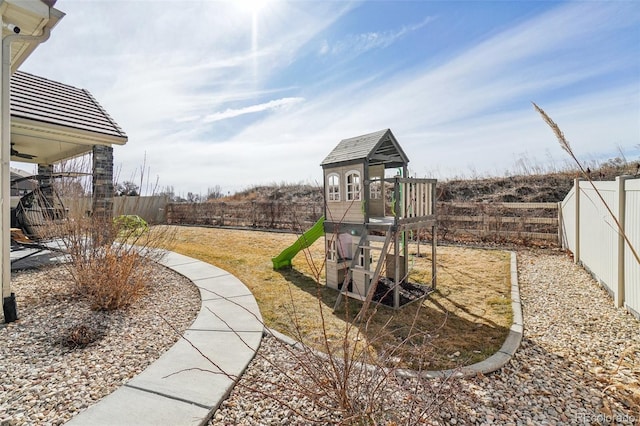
x=412, y=200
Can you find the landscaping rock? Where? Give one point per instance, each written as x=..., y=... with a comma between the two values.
x=60, y=356
x=563, y=373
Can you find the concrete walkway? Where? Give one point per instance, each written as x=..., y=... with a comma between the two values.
x=184, y=387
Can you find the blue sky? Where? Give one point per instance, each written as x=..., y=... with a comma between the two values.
x=237, y=93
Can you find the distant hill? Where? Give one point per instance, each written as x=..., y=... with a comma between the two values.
x=534, y=188
x=278, y=192
x=550, y=187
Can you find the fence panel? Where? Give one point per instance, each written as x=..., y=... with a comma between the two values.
x=598, y=233
x=632, y=230
x=598, y=243
x=567, y=225
x=255, y=214
x=499, y=222
x=150, y=208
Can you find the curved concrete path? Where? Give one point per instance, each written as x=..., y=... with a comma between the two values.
x=176, y=389
x=183, y=387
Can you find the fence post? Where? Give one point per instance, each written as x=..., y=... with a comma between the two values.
x=560, y=239
x=576, y=253
x=622, y=195
x=253, y=214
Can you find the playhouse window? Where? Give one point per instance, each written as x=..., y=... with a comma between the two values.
x=332, y=253
x=353, y=186
x=333, y=187
x=375, y=190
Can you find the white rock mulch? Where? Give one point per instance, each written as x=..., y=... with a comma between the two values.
x=565, y=372
x=45, y=381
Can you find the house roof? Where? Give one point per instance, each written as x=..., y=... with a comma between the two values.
x=375, y=148
x=51, y=121
x=37, y=98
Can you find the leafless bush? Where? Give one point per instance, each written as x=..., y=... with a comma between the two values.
x=108, y=260
x=350, y=381
x=80, y=335
x=359, y=382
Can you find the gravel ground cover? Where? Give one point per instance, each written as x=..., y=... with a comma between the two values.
x=47, y=378
x=579, y=363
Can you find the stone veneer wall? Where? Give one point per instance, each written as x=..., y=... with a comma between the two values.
x=45, y=171
x=102, y=181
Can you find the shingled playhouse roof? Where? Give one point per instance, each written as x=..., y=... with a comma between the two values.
x=375, y=148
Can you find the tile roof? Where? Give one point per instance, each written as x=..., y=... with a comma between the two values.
x=39, y=99
x=366, y=147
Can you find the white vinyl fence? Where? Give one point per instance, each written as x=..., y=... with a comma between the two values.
x=590, y=232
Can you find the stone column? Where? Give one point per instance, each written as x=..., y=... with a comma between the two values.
x=45, y=182
x=102, y=182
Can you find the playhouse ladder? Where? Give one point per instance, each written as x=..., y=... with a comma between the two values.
x=374, y=275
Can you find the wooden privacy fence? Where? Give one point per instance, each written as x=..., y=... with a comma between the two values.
x=150, y=208
x=255, y=214
x=590, y=232
x=496, y=222
x=499, y=222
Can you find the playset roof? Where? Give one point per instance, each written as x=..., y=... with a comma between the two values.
x=375, y=148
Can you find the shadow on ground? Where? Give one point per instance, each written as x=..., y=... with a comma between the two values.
x=423, y=335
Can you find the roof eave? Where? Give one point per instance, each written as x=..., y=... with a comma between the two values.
x=66, y=134
x=343, y=163
x=32, y=17
x=28, y=135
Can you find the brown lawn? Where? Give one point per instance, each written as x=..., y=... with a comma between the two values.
x=464, y=321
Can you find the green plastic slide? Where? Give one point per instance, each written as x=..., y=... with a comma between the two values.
x=305, y=240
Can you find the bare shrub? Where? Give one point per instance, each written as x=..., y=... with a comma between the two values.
x=113, y=277
x=80, y=335
x=349, y=380
x=108, y=259
x=352, y=382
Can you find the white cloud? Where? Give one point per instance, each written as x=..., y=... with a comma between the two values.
x=252, y=109
x=359, y=43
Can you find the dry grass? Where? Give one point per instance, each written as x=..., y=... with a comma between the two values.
x=465, y=321
x=622, y=381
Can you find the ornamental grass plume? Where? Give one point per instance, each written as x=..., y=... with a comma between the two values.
x=564, y=144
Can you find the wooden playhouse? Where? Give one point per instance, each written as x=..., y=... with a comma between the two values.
x=368, y=215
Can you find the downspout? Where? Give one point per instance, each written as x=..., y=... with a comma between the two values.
x=9, y=306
